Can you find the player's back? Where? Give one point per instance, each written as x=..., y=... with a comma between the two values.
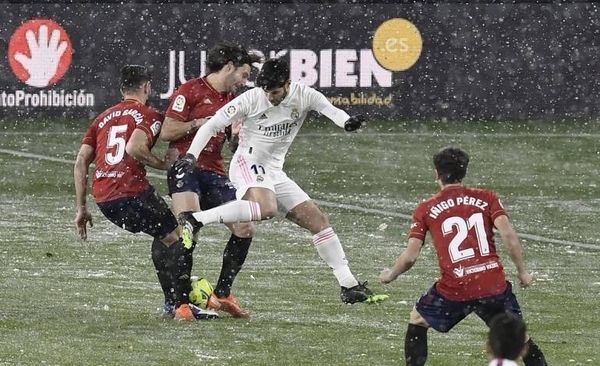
x=117, y=174
x=460, y=221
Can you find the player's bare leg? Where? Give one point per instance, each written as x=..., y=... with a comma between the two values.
x=265, y=198
x=186, y=202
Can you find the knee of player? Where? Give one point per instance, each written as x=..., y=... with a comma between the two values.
x=318, y=220
x=417, y=319
x=172, y=237
x=268, y=210
x=243, y=230
x=323, y=218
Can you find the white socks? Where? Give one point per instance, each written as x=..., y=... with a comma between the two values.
x=330, y=249
x=230, y=213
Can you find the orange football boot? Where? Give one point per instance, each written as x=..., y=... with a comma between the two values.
x=228, y=305
x=184, y=313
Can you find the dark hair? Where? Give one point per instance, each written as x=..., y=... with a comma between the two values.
x=133, y=76
x=223, y=53
x=507, y=336
x=275, y=73
x=451, y=164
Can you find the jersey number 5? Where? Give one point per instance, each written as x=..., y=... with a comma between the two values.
x=114, y=140
x=462, y=231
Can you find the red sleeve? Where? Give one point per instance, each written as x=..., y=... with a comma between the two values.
x=90, y=135
x=496, y=208
x=151, y=125
x=418, y=227
x=181, y=102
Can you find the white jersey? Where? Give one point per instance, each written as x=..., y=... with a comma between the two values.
x=268, y=130
x=502, y=362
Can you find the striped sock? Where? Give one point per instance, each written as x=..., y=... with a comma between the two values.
x=330, y=249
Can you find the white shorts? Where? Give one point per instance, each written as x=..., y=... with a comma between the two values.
x=246, y=172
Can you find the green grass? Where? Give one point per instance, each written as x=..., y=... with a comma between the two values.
x=64, y=302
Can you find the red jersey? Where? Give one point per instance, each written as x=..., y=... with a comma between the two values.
x=460, y=221
x=193, y=100
x=117, y=174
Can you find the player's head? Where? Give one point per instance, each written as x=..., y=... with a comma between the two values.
x=451, y=165
x=135, y=79
x=274, y=79
x=507, y=336
x=231, y=64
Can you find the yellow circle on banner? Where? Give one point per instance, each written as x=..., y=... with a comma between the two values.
x=397, y=44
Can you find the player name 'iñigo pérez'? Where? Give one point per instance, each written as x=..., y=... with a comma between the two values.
x=436, y=210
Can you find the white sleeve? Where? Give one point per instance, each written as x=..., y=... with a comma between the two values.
x=338, y=116
x=319, y=103
x=224, y=117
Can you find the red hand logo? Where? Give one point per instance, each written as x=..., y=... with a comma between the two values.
x=39, y=52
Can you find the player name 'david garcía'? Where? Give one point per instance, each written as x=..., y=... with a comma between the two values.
x=134, y=113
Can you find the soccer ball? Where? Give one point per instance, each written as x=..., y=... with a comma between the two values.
x=201, y=291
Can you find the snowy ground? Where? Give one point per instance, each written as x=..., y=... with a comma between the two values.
x=64, y=302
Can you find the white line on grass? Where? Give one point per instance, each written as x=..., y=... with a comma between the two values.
x=35, y=156
x=445, y=134
x=408, y=217
x=324, y=203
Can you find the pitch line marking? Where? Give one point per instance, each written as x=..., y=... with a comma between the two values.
x=324, y=203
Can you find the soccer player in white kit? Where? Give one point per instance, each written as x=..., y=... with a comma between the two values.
x=272, y=114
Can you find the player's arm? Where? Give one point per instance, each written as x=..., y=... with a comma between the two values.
x=320, y=104
x=513, y=248
x=234, y=142
x=225, y=116
x=138, y=147
x=215, y=124
x=80, y=175
x=173, y=129
x=234, y=137
x=207, y=131
x=404, y=262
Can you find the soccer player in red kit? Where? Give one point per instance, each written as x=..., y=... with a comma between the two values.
x=193, y=103
x=119, y=141
x=460, y=221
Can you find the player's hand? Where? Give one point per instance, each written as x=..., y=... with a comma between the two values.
x=171, y=156
x=354, y=123
x=385, y=276
x=45, y=54
x=237, y=126
x=197, y=123
x=525, y=279
x=184, y=165
x=81, y=220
